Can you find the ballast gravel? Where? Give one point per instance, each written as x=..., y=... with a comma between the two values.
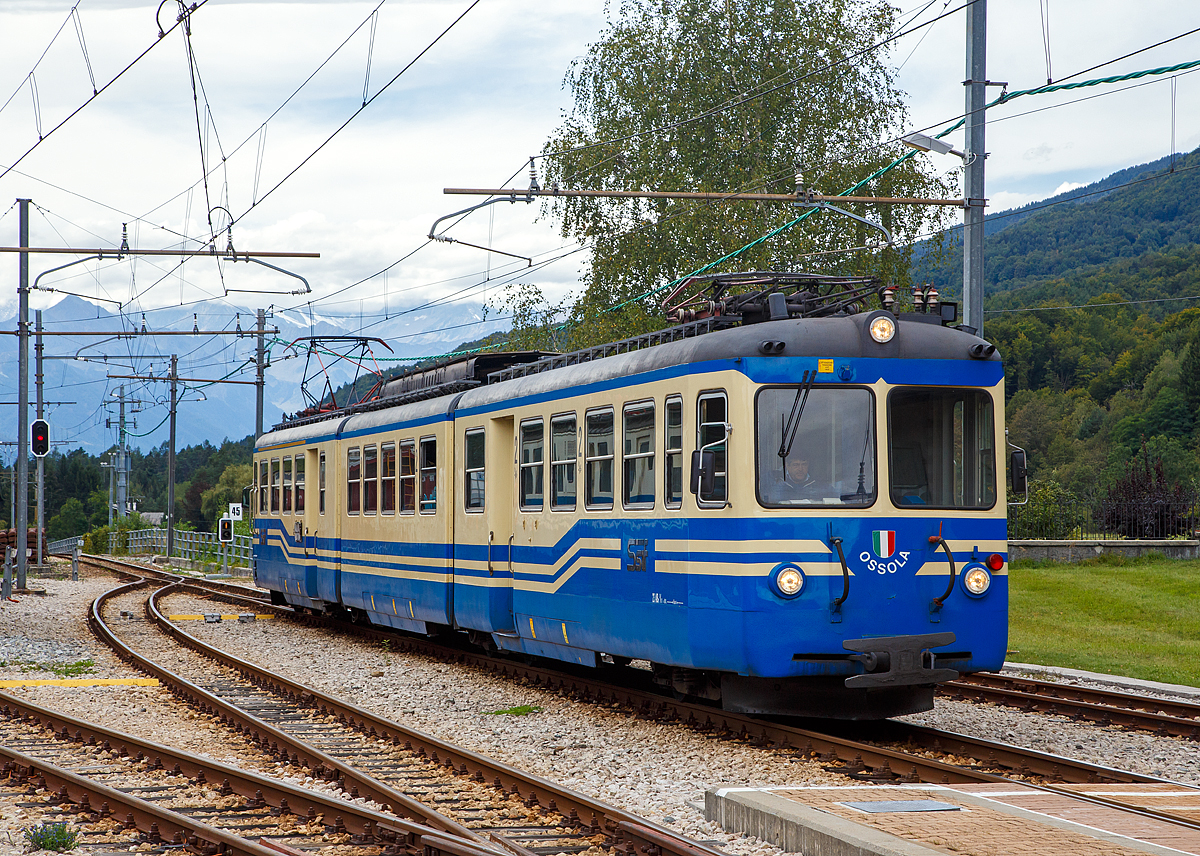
x=658, y=771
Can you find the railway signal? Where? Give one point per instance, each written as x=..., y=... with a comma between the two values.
x=225, y=530
x=39, y=438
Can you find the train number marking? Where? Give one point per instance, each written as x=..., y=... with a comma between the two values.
x=882, y=567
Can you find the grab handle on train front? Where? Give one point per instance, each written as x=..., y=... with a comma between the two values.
x=491, y=537
x=938, y=541
x=510, y=563
x=835, y=607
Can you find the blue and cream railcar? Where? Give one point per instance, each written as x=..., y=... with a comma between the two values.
x=799, y=516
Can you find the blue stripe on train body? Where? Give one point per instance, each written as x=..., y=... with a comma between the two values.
x=686, y=590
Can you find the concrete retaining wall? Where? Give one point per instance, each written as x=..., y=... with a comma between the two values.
x=1073, y=551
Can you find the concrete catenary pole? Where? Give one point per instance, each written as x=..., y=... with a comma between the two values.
x=260, y=360
x=22, y=497
x=122, y=483
x=171, y=463
x=976, y=86
x=41, y=462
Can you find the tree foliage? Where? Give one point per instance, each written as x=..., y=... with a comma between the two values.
x=724, y=95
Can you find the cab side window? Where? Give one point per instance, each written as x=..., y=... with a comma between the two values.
x=712, y=414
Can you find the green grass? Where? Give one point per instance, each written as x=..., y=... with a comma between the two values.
x=1133, y=617
x=519, y=710
x=63, y=670
x=52, y=836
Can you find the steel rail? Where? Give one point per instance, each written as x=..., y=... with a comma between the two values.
x=149, y=818
x=1166, y=717
x=267, y=736
x=868, y=762
x=624, y=832
x=279, y=794
x=614, y=822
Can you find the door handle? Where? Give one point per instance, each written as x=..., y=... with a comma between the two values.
x=491, y=537
x=510, y=546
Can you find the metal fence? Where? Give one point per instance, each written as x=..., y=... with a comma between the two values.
x=1071, y=519
x=197, y=546
x=63, y=546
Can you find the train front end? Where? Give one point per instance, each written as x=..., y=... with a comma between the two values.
x=867, y=545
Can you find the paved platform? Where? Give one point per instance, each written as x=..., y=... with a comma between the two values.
x=966, y=820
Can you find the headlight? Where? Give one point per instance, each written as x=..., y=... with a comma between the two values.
x=977, y=580
x=789, y=580
x=883, y=329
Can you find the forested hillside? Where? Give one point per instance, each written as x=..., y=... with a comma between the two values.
x=206, y=476
x=1093, y=305
x=1148, y=208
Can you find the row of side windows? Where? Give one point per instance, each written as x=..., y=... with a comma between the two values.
x=559, y=450
x=388, y=477
x=281, y=484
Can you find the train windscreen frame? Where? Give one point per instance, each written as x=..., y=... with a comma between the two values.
x=827, y=437
x=942, y=448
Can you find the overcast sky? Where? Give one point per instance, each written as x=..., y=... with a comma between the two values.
x=468, y=113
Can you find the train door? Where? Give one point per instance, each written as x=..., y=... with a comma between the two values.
x=308, y=516
x=500, y=513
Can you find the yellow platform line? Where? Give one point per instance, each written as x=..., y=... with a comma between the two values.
x=233, y=617
x=84, y=682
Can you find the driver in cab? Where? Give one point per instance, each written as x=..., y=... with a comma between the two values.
x=794, y=482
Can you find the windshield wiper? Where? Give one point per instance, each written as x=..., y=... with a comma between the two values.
x=793, y=423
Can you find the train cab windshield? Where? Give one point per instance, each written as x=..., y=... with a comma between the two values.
x=942, y=448
x=815, y=447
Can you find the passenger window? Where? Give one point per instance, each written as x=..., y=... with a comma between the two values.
x=263, y=482
x=532, y=457
x=287, y=485
x=299, y=484
x=408, y=477
x=475, y=474
x=638, y=456
x=388, y=478
x=274, y=485
x=562, y=462
x=711, y=434
x=673, y=450
x=353, y=479
x=428, y=475
x=321, y=483
x=599, y=459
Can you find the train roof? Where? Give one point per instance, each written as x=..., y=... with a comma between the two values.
x=473, y=382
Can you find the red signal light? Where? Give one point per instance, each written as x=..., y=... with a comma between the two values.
x=995, y=562
x=40, y=438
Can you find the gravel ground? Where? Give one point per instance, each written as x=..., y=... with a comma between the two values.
x=658, y=771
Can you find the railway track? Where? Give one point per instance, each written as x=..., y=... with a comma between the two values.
x=896, y=752
x=476, y=798
x=124, y=792
x=1164, y=717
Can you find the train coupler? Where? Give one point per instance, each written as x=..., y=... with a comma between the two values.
x=898, y=661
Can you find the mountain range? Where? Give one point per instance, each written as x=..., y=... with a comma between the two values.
x=82, y=367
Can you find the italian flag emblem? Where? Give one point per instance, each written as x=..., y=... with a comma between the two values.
x=884, y=541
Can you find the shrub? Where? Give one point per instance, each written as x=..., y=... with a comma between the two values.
x=1144, y=504
x=1052, y=512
